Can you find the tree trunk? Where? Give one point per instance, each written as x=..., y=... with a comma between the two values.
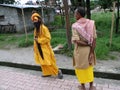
x=88, y=9
x=117, y=19
x=68, y=33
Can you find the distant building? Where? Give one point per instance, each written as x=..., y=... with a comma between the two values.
x=29, y=3
x=11, y=18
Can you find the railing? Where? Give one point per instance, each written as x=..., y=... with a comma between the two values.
x=10, y=28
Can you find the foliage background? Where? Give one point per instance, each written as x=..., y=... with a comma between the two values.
x=103, y=26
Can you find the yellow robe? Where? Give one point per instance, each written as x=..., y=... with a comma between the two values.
x=48, y=65
x=83, y=70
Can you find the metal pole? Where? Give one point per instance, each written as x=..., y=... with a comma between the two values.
x=68, y=31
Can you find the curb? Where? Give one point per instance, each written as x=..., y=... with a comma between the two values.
x=97, y=74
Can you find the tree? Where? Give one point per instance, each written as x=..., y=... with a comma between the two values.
x=77, y=3
x=7, y=1
x=105, y=4
x=88, y=9
x=1, y=1
x=46, y=2
x=68, y=34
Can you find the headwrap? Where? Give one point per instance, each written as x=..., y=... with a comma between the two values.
x=35, y=16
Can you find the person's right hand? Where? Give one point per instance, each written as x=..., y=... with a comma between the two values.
x=90, y=58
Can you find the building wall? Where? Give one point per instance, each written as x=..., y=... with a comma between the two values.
x=27, y=17
x=10, y=16
x=14, y=16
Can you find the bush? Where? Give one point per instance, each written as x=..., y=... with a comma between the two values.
x=103, y=24
x=115, y=43
x=2, y=38
x=58, y=21
x=102, y=48
x=93, y=4
x=103, y=21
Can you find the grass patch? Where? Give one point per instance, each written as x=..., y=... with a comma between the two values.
x=58, y=37
x=18, y=40
x=115, y=44
x=58, y=40
x=103, y=24
x=24, y=43
x=102, y=49
x=102, y=21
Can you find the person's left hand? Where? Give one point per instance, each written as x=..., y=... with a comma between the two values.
x=36, y=39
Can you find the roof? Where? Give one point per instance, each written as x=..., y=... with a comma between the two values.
x=22, y=6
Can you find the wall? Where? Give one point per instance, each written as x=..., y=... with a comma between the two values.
x=27, y=17
x=14, y=16
x=10, y=16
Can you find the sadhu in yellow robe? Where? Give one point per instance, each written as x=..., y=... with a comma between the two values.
x=47, y=60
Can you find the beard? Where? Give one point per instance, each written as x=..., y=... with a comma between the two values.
x=37, y=25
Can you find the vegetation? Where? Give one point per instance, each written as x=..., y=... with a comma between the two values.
x=105, y=4
x=103, y=24
x=16, y=40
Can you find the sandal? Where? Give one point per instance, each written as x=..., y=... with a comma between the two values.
x=46, y=76
x=60, y=75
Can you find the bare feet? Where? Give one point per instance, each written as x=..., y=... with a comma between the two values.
x=92, y=88
x=81, y=87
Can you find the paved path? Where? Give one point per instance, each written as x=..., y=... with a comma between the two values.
x=14, y=80
x=25, y=56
